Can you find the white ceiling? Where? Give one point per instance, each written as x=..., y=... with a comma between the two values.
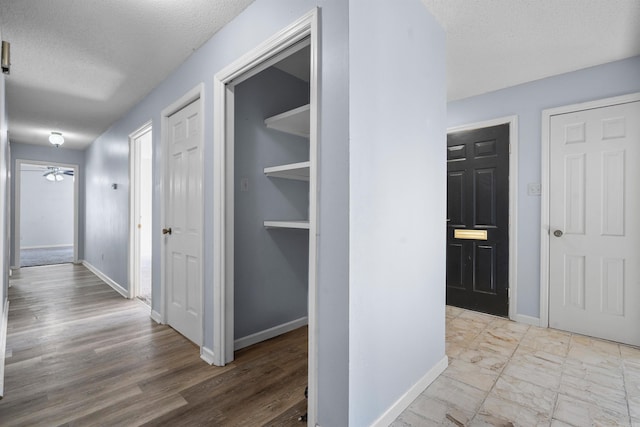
x=78, y=66
x=493, y=44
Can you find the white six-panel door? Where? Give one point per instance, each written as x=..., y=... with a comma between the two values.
x=594, y=219
x=183, y=217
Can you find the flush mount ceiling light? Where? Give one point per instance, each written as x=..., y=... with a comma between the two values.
x=56, y=139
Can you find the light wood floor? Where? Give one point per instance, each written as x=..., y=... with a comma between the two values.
x=80, y=354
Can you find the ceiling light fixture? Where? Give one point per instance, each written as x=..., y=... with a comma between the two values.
x=55, y=177
x=56, y=139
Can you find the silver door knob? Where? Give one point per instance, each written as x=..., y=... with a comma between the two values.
x=557, y=233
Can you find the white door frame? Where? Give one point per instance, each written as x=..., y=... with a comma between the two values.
x=545, y=171
x=16, y=224
x=134, y=191
x=196, y=93
x=256, y=60
x=512, y=121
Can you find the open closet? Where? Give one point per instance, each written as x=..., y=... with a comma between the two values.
x=271, y=200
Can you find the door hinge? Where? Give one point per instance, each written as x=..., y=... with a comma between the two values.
x=509, y=148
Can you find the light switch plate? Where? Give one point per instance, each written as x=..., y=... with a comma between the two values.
x=244, y=184
x=534, y=189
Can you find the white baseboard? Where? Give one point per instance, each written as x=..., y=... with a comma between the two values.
x=269, y=333
x=119, y=289
x=527, y=320
x=68, y=245
x=206, y=354
x=156, y=317
x=3, y=342
x=406, y=399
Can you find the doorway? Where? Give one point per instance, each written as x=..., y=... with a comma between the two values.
x=182, y=215
x=141, y=190
x=46, y=225
x=591, y=245
x=482, y=185
x=299, y=35
x=477, y=219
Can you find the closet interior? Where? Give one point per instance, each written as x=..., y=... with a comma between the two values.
x=271, y=200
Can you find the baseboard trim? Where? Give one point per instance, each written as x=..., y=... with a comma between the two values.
x=406, y=399
x=156, y=317
x=4, y=317
x=109, y=281
x=206, y=354
x=269, y=333
x=69, y=245
x=527, y=320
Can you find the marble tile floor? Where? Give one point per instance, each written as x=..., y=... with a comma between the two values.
x=503, y=373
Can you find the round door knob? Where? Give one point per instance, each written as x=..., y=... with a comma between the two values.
x=166, y=230
x=557, y=233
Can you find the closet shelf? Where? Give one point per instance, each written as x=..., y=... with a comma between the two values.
x=297, y=171
x=295, y=122
x=304, y=225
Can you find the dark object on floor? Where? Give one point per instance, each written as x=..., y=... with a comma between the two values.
x=306, y=396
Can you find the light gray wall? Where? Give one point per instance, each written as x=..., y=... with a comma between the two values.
x=46, y=210
x=397, y=202
x=107, y=162
x=271, y=265
x=107, y=209
x=527, y=102
x=56, y=155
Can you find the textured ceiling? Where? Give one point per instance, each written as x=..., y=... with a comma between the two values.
x=493, y=44
x=78, y=65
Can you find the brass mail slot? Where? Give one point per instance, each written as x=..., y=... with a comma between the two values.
x=470, y=234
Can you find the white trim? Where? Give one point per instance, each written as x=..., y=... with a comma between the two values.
x=407, y=398
x=156, y=317
x=67, y=245
x=270, y=333
x=134, y=190
x=544, y=174
x=108, y=280
x=222, y=233
x=192, y=95
x=16, y=224
x=527, y=320
x=4, y=317
x=512, y=121
x=207, y=355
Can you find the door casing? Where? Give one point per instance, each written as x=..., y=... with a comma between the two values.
x=134, y=191
x=545, y=172
x=512, y=121
x=16, y=225
x=256, y=60
x=196, y=93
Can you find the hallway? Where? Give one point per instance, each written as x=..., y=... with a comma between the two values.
x=503, y=373
x=80, y=354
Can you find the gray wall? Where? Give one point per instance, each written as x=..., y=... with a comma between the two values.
x=271, y=265
x=397, y=202
x=56, y=155
x=107, y=209
x=527, y=102
x=46, y=210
